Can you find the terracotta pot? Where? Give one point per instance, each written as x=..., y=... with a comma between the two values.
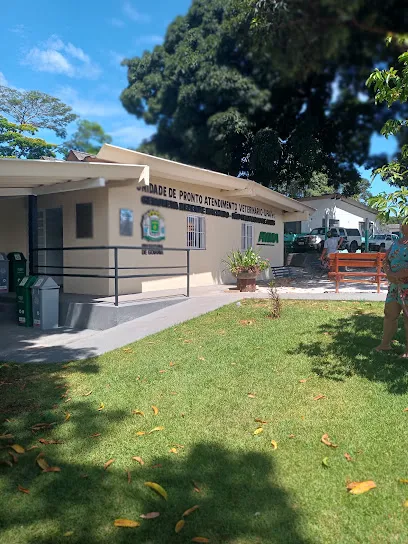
x=246, y=282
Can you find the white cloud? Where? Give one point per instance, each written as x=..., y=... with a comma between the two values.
x=134, y=15
x=131, y=135
x=152, y=39
x=117, y=22
x=56, y=57
x=3, y=80
x=18, y=29
x=87, y=107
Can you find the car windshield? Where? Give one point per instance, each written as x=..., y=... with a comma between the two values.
x=317, y=231
x=353, y=232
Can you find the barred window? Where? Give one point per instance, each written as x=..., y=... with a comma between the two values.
x=196, y=232
x=247, y=235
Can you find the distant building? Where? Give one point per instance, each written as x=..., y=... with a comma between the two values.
x=341, y=211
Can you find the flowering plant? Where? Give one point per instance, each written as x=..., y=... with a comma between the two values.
x=246, y=261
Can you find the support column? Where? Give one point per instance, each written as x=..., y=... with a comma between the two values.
x=32, y=234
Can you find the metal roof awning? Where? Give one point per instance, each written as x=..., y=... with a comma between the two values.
x=20, y=177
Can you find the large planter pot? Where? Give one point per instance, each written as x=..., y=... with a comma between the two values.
x=246, y=282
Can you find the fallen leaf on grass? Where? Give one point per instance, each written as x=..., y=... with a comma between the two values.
x=139, y=460
x=158, y=488
x=304, y=380
x=6, y=436
x=162, y=371
x=87, y=394
x=17, y=448
x=32, y=448
x=101, y=407
x=258, y=431
x=403, y=481
x=357, y=488
x=405, y=410
x=196, y=487
x=138, y=413
x=319, y=397
x=42, y=463
x=251, y=395
x=160, y=428
x=127, y=350
x=68, y=533
x=70, y=398
x=201, y=359
x=23, y=490
x=291, y=436
x=67, y=416
x=126, y=523
x=190, y=510
x=129, y=476
x=40, y=426
x=108, y=463
x=52, y=469
x=246, y=322
x=155, y=410
x=259, y=420
x=140, y=433
x=173, y=450
x=325, y=439
x=172, y=364
x=188, y=341
x=325, y=462
x=47, y=442
x=157, y=466
x=13, y=456
x=95, y=435
x=150, y=515
x=200, y=539
x=348, y=457
x=274, y=444
x=179, y=525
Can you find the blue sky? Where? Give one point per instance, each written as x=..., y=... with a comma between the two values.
x=73, y=50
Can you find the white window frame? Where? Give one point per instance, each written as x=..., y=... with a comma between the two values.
x=196, y=235
x=247, y=236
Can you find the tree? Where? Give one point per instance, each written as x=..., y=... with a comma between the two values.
x=88, y=137
x=226, y=100
x=15, y=144
x=37, y=109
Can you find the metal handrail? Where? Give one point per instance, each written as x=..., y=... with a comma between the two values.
x=116, y=276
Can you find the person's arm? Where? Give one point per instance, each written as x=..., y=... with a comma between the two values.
x=323, y=255
x=340, y=242
x=392, y=277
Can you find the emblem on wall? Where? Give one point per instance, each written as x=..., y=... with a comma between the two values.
x=153, y=227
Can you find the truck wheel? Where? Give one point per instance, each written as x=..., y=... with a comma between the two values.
x=382, y=248
x=353, y=246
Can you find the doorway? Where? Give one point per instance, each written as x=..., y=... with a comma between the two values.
x=50, y=235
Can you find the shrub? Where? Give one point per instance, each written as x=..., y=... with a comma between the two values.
x=246, y=261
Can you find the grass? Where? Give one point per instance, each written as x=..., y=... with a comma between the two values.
x=248, y=493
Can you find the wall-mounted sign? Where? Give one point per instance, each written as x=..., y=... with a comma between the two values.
x=268, y=239
x=125, y=222
x=150, y=249
x=153, y=227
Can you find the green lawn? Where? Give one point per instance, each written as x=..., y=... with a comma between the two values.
x=199, y=375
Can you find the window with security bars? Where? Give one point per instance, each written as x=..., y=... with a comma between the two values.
x=247, y=236
x=195, y=232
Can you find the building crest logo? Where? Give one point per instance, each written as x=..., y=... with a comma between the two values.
x=153, y=227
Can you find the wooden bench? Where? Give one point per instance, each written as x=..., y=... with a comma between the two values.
x=357, y=260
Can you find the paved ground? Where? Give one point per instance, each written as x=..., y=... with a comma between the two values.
x=22, y=345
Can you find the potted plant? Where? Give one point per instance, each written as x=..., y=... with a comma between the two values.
x=246, y=267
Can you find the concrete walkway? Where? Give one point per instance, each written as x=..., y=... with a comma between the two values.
x=22, y=345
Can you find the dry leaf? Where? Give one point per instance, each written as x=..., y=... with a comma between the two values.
x=70, y=398
x=259, y=420
x=405, y=410
x=6, y=436
x=32, y=448
x=52, y=469
x=162, y=371
x=129, y=476
x=13, y=456
x=403, y=481
x=190, y=341
x=291, y=436
x=325, y=439
x=95, y=435
x=190, y=510
x=200, y=539
x=101, y=407
x=246, y=322
x=138, y=413
x=274, y=444
x=348, y=457
x=42, y=463
x=17, y=448
x=258, y=431
x=126, y=523
x=23, y=490
x=304, y=380
x=140, y=433
x=156, y=429
x=251, y=395
x=108, y=463
x=319, y=397
x=155, y=410
x=47, y=442
x=68, y=533
x=357, y=488
x=150, y=515
x=127, y=350
x=40, y=426
x=172, y=364
x=179, y=525
x=87, y=394
x=67, y=416
x=201, y=359
x=196, y=487
x=158, y=488
x=157, y=466
x=173, y=450
x=139, y=460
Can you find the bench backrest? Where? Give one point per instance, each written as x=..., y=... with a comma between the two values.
x=356, y=260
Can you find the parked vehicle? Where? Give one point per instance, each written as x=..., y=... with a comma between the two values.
x=381, y=242
x=352, y=239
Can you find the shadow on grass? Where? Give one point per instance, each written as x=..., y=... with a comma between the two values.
x=347, y=349
x=238, y=501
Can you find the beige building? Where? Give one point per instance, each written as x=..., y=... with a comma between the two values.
x=126, y=198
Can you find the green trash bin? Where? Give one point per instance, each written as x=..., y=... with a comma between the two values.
x=24, y=301
x=17, y=269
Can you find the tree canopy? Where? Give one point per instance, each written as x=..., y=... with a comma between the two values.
x=273, y=90
x=89, y=137
x=16, y=141
x=37, y=109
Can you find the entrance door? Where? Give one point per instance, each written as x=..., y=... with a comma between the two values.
x=50, y=235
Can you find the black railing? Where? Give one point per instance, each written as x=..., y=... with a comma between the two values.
x=116, y=268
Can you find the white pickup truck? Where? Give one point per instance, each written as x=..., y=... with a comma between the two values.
x=381, y=242
x=352, y=239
